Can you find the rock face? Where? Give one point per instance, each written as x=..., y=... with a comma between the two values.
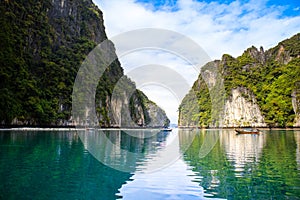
x=258, y=89
x=242, y=110
x=139, y=111
x=43, y=45
x=81, y=18
x=296, y=104
x=156, y=115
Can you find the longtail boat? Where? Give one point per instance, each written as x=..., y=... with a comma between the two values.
x=247, y=131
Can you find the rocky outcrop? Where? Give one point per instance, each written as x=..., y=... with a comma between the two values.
x=242, y=110
x=156, y=115
x=136, y=111
x=204, y=104
x=258, y=56
x=296, y=104
x=259, y=89
x=43, y=46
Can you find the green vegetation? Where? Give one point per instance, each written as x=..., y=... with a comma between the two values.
x=195, y=109
x=272, y=76
x=42, y=48
x=38, y=63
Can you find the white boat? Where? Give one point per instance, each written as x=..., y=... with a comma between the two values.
x=166, y=129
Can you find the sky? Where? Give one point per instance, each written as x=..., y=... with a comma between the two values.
x=218, y=27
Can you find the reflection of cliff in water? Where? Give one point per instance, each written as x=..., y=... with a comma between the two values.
x=246, y=166
x=209, y=168
x=297, y=139
x=169, y=178
x=123, y=150
x=242, y=150
x=53, y=165
x=239, y=150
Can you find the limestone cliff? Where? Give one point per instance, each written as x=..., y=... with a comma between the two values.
x=261, y=89
x=241, y=109
x=296, y=104
x=43, y=45
x=137, y=111
x=156, y=115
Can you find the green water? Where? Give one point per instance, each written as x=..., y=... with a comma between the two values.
x=182, y=164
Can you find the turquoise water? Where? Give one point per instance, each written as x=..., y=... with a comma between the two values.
x=140, y=164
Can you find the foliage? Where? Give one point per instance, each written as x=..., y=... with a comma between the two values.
x=272, y=77
x=42, y=48
x=195, y=109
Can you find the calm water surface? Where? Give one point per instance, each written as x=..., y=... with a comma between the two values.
x=183, y=164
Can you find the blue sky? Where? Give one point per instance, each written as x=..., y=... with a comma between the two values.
x=291, y=7
x=219, y=27
x=239, y=23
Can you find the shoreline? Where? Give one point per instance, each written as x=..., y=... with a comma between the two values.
x=233, y=128
x=28, y=128
x=71, y=129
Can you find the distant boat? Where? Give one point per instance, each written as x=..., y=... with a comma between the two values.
x=247, y=131
x=89, y=129
x=166, y=129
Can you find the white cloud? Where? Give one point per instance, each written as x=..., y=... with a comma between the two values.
x=217, y=28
